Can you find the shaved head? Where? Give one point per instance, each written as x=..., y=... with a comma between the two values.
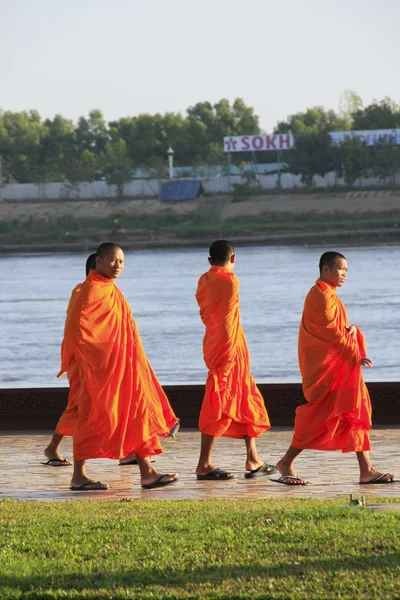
x=109, y=260
x=91, y=263
x=105, y=248
x=220, y=252
x=328, y=259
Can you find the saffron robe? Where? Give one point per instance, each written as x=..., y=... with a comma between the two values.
x=121, y=406
x=337, y=415
x=232, y=405
x=68, y=420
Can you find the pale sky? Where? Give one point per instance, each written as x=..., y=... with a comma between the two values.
x=128, y=57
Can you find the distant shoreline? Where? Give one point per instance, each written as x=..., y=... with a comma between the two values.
x=327, y=220
x=348, y=237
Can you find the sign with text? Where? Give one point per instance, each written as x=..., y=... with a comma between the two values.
x=369, y=137
x=256, y=143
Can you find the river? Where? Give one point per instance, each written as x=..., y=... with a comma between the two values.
x=160, y=287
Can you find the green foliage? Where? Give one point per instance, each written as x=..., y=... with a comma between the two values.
x=349, y=103
x=59, y=150
x=385, y=161
x=216, y=549
x=313, y=156
x=378, y=115
x=168, y=225
x=116, y=165
x=355, y=157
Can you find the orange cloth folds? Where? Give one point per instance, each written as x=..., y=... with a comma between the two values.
x=68, y=420
x=232, y=406
x=121, y=407
x=337, y=415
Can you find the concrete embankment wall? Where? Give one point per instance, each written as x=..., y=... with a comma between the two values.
x=151, y=187
x=40, y=408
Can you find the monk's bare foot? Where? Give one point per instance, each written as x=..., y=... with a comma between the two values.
x=373, y=476
x=162, y=479
x=57, y=460
x=204, y=469
x=288, y=474
x=128, y=460
x=252, y=465
x=85, y=483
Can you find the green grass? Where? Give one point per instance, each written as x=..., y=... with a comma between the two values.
x=294, y=549
x=171, y=225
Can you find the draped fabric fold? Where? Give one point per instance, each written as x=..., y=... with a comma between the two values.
x=232, y=406
x=337, y=415
x=121, y=407
x=68, y=420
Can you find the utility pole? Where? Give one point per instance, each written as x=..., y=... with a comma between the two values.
x=170, y=154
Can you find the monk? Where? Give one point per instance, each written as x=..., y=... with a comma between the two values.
x=232, y=405
x=67, y=422
x=331, y=354
x=121, y=405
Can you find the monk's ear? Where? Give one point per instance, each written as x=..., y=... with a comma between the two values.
x=325, y=270
x=232, y=258
x=209, y=260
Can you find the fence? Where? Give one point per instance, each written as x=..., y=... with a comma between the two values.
x=140, y=188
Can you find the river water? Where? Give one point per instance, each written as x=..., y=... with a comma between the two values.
x=160, y=287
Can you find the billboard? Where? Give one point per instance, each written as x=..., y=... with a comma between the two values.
x=256, y=143
x=370, y=137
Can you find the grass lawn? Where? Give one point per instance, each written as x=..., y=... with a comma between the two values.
x=311, y=549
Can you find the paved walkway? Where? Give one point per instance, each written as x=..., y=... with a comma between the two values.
x=332, y=474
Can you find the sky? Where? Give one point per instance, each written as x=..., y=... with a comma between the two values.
x=129, y=57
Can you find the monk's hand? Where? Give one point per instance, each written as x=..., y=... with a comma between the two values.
x=352, y=330
x=365, y=362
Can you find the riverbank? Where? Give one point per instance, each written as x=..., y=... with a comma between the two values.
x=353, y=218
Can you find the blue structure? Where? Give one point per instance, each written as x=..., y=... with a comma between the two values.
x=183, y=189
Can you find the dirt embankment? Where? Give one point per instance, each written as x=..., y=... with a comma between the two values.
x=320, y=218
x=351, y=203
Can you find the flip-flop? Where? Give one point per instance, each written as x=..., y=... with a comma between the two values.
x=98, y=486
x=262, y=471
x=379, y=479
x=216, y=475
x=131, y=462
x=174, y=430
x=292, y=477
x=159, y=483
x=63, y=462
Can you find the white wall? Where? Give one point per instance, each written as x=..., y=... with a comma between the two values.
x=151, y=187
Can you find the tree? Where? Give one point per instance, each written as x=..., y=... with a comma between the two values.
x=313, y=120
x=312, y=156
x=208, y=124
x=91, y=134
x=384, y=114
x=56, y=150
x=385, y=161
x=355, y=159
x=116, y=165
x=350, y=102
x=20, y=138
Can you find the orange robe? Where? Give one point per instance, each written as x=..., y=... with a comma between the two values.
x=121, y=407
x=232, y=406
x=337, y=415
x=68, y=420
